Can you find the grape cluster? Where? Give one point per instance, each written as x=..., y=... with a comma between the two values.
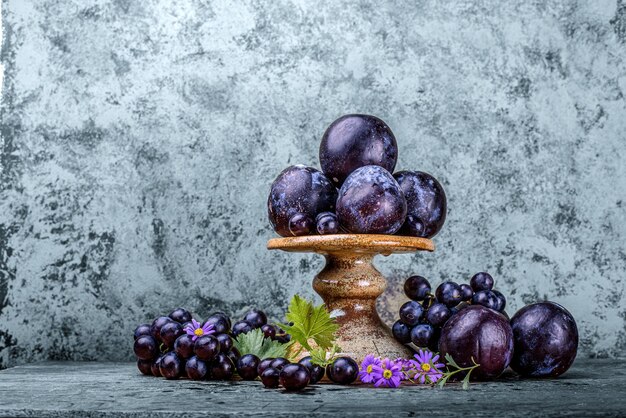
x=423, y=317
x=356, y=191
x=257, y=319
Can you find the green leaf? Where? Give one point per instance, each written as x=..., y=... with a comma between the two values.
x=254, y=342
x=323, y=358
x=450, y=361
x=310, y=323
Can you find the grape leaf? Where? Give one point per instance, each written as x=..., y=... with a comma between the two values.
x=255, y=343
x=321, y=357
x=310, y=323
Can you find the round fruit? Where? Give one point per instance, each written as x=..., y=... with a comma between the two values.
x=354, y=141
x=422, y=335
x=156, y=367
x=256, y=318
x=416, y=288
x=301, y=224
x=482, y=334
x=279, y=363
x=486, y=298
x=264, y=364
x=247, y=367
x=270, y=377
x=269, y=331
x=233, y=355
x=241, y=327
x=184, y=346
x=316, y=372
x=438, y=314
x=371, y=202
x=220, y=322
x=481, y=281
x=226, y=343
x=143, y=329
x=196, y=369
x=327, y=223
x=170, y=367
x=299, y=190
x=145, y=348
x=411, y=313
x=546, y=340
x=170, y=332
x=466, y=292
x=449, y=293
x=343, y=370
x=180, y=315
x=222, y=367
x=145, y=367
x=157, y=324
x=501, y=301
x=294, y=377
x=426, y=203
x=401, y=332
x=207, y=347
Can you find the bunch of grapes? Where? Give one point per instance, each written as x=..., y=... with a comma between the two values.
x=257, y=319
x=275, y=372
x=422, y=318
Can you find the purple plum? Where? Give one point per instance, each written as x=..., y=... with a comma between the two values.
x=426, y=203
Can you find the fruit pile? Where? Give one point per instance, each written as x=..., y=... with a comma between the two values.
x=356, y=192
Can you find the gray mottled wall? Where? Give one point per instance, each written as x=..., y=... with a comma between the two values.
x=139, y=139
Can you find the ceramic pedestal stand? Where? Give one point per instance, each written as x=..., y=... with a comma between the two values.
x=349, y=284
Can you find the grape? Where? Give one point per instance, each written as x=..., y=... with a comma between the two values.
x=355, y=141
x=269, y=331
x=294, y=377
x=264, y=364
x=316, y=372
x=247, y=366
x=170, y=332
x=449, y=293
x=207, y=347
x=281, y=337
x=279, y=362
x=156, y=367
x=145, y=348
x=143, y=329
x=411, y=312
x=299, y=190
x=486, y=298
x=327, y=223
x=426, y=203
x=226, y=343
x=438, y=314
x=170, y=366
x=481, y=281
x=301, y=224
x=220, y=322
x=401, y=332
x=180, y=315
x=422, y=335
x=466, y=292
x=501, y=301
x=482, y=334
x=546, y=340
x=343, y=370
x=184, y=346
x=416, y=288
x=256, y=318
x=157, y=324
x=145, y=367
x=241, y=327
x=371, y=202
x=196, y=369
x=222, y=367
x=270, y=377
x=233, y=355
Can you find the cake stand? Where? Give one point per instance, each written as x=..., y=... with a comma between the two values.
x=349, y=284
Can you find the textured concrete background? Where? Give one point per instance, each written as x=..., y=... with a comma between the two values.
x=139, y=140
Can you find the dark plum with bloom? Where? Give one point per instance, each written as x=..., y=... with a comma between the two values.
x=343, y=371
x=226, y=343
x=294, y=377
x=426, y=204
x=449, y=293
x=207, y=347
x=316, y=372
x=302, y=191
x=481, y=281
x=241, y=327
x=256, y=318
x=171, y=367
x=184, y=346
x=401, y=332
x=371, y=202
x=170, y=332
x=157, y=324
x=546, y=340
x=145, y=367
x=222, y=367
x=145, y=348
x=354, y=141
x=411, y=312
x=416, y=288
x=327, y=223
x=180, y=315
x=482, y=334
x=196, y=369
x=270, y=377
x=247, y=367
x=143, y=329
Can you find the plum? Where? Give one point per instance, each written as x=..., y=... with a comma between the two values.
x=297, y=195
x=371, y=202
x=482, y=334
x=354, y=141
x=426, y=203
x=546, y=340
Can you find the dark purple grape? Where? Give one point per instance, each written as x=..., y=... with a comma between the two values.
x=281, y=337
x=294, y=377
x=449, y=293
x=256, y=318
x=279, y=363
x=156, y=367
x=145, y=367
x=269, y=331
x=301, y=224
x=401, y=332
x=222, y=367
x=241, y=327
x=426, y=203
x=180, y=315
x=501, y=301
x=481, y=281
x=327, y=223
x=264, y=364
x=207, y=347
x=411, y=313
x=171, y=367
x=416, y=288
x=170, y=332
x=196, y=369
x=234, y=355
x=143, y=329
x=299, y=190
x=145, y=348
x=316, y=372
x=482, y=334
x=157, y=324
x=486, y=298
x=226, y=343
x=422, y=334
x=466, y=292
x=270, y=377
x=438, y=314
x=354, y=141
x=371, y=202
x=343, y=370
x=221, y=323
x=546, y=340
x=247, y=367
x=184, y=346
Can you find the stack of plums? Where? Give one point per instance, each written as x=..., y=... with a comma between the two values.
x=357, y=190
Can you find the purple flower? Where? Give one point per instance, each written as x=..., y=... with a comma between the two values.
x=195, y=330
x=388, y=374
x=427, y=367
x=406, y=366
x=366, y=375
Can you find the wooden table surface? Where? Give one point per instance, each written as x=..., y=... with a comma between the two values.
x=68, y=389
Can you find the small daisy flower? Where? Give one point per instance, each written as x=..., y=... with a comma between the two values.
x=427, y=367
x=388, y=374
x=366, y=374
x=406, y=366
x=195, y=330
